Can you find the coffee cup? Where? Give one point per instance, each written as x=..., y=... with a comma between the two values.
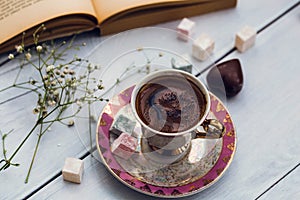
x=172, y=107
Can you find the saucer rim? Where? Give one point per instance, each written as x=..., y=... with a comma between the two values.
x=178, y=195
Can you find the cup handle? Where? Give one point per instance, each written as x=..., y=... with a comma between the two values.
x=213, y=129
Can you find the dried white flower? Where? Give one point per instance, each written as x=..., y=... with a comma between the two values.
x=56, y=93
x=74, y=84
x=60, y=80
x=11, y=56
x=39, y=48
x=57, y=72
x=35, y=111
x=28, y=56
x=71, y=123
x=97, y=67
x=45, y=77
x=89, y=91
x=50, y=68
x=90, y=67
x=32, y=81
x=53, y=83
x=71, y=72
x=66, y=71
x=51, y=103
x=79, y=103
x=19, y=49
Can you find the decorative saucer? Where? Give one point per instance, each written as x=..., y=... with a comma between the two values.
x=204, y=164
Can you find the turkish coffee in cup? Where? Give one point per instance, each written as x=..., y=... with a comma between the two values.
x=171, y=105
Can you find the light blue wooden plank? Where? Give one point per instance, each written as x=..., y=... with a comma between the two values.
x=57, y=144
x=288, y=188
x=265, y=113
x=96, y=183
x=223, y=25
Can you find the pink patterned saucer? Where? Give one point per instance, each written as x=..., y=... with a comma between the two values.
x=191, y=175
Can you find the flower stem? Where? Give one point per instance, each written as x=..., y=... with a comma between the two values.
x=21, y=144
x=90, y=124
x=33, y=157
x=42, y=132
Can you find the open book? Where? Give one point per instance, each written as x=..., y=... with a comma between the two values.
x=66, y=17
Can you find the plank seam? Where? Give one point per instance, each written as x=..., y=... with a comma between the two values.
x=278, y=17
x=207, y=68
x=258, y=32
x=274, y=184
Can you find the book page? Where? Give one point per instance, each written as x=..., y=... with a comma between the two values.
x=16, y=16
x=107, y=8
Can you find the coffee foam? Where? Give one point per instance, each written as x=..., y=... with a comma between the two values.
x=170, y=104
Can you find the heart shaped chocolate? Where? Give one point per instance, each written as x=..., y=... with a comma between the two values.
x=226, y=76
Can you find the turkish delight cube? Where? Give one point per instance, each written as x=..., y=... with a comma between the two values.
x=72, y=170
x=123, y=124
x=185, y=28
x=245, y=38
x=124, y=146
x=203, y=47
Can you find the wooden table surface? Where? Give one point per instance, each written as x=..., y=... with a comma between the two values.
x=266, y=115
